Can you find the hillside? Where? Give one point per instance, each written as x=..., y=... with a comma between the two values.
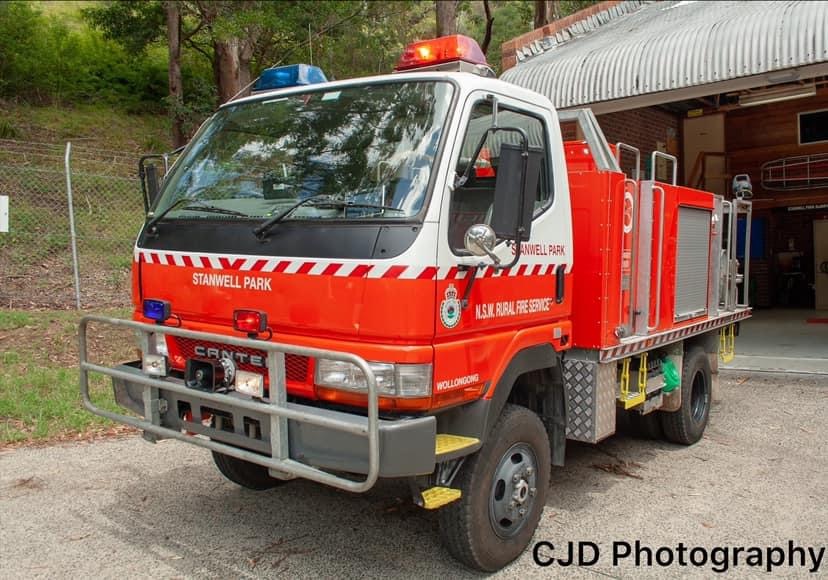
x=94, y=126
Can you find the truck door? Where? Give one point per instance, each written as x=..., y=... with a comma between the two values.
x=527, y=293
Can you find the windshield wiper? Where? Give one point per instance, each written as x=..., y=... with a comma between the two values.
x=262, y=229
x=347, y=204
x=187, y=203
x=319, y=200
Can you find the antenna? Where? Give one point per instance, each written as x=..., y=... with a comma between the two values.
x=310, y=44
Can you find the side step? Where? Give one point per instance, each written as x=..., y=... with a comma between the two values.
x=447, y=448
x=437, y=497
x=453, y=446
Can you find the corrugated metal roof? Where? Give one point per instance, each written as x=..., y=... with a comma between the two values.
x=637, y=48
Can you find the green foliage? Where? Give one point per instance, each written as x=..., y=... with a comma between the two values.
x=133, y=23
x=8, y=130
x=511, y=18
x=20, y=25
x=47, y=58
x=115, y=52
x=39, y=392
x=11, y=319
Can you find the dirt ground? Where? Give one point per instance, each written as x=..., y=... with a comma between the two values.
x=126, y=508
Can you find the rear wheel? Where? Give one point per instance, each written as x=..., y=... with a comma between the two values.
x=686, y=426
x=244, y=473
x=504, y=488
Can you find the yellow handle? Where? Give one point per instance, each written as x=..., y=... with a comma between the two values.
x=727, y=343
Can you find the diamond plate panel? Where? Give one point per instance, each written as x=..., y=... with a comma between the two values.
x=590, y=409
x=606, y=396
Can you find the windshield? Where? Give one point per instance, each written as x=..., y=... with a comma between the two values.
x=363, y=152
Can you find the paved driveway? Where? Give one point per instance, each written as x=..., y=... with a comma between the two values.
x=128, y=509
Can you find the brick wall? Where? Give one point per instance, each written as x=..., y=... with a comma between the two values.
x=644, y=129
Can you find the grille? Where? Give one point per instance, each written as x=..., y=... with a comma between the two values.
x=296, y=366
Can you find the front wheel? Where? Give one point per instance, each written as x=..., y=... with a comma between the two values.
x=504, y=487
x=244, y=473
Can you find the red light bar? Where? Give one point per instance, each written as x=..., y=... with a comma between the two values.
x=436, y=51
x=249, y=321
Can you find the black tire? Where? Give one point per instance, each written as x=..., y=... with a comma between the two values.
x=686, y=426
x=481, y=530
x=244, y=473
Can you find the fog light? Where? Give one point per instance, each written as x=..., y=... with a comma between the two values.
x=250, y=384
x=155, y=365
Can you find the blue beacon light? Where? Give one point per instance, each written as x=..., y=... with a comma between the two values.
x=293, y=75
x=157, y=310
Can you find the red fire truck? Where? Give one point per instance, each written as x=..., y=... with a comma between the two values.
x=413, y=276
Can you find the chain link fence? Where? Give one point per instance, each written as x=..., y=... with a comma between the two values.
x=36, y=253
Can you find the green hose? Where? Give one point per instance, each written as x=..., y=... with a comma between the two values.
x=671, y=376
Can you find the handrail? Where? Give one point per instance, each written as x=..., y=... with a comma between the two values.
x=746, y=278
x=795, y=173
x=593, y=135
x=667, y=157
x=727, y=209
x=635, y=151
x=276, y=406
x=634, y=230
x=660, y=252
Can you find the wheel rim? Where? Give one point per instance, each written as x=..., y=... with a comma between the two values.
x=699, y=397
x=514, y=489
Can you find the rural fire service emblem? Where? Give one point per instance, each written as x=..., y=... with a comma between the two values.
x=450, y=308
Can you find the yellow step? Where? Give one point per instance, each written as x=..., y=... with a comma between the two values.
x=451, y=443
x=436, y=497
x=633, y=399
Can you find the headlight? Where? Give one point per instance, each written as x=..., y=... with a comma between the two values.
x=401, y=380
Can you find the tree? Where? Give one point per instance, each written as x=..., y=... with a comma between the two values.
x=487, y=37
x=547, y=11
x=173, y=14
x=446, y=13
x=504, y=20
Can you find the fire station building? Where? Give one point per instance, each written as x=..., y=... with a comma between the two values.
x=736, y=91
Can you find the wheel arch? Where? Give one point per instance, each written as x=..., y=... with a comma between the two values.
x=533, y=378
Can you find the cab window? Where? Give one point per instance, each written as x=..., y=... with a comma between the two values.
x=472, y=200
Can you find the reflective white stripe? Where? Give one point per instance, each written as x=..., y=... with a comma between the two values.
x=293, y=267
x=324, y=267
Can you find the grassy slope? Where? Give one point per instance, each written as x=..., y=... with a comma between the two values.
x=89, y=125
x=39, y=392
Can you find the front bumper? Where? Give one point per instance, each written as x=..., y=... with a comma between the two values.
x=292, y=440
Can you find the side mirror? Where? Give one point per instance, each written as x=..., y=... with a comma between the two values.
x=151, y=178
x=153, y=183
x=480, y=240
x=515, y=191
x=152, y=169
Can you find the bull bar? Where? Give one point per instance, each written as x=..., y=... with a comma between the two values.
x=276, y=406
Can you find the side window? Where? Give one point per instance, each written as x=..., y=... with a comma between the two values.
x=471, y=202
